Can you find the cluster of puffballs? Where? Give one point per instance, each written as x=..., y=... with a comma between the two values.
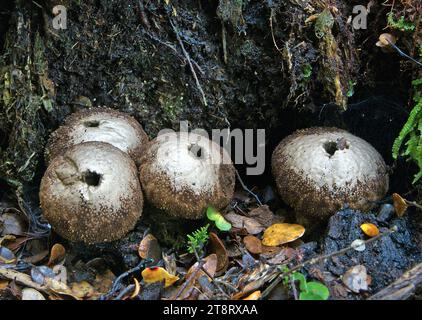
x=101, y=165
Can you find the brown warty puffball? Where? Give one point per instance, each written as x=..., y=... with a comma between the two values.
x=319, y=170
x=91, y=193
x=184, y=173
x=98, y=124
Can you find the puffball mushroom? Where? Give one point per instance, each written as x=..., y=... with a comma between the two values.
x=319, y=170
x=98, y=124
x=91, y=193
x=184, y=173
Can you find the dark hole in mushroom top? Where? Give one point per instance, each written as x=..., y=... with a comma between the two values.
x=91, y=178
x=92, y=124
x=196, y=151
x=330, y=147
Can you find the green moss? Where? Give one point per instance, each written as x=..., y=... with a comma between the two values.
x=400, y=24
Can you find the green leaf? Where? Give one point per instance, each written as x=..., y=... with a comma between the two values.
x=318, y=289
x=212, y=213
x=221, y=223
x=309, y=296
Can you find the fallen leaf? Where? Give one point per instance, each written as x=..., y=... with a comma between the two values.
x=103, y=281
x=217, y=247
x=59, y=287
x=264, y=216
x=136, y=289
x=356, y=279
x=149, y=248
x=270, y=252
x=158, y=274
x=13, y=223
x=284, y=256
x=400, y=205
x=251, y=225
x=253, y=244
x=253, y=296
x=4, y=284
x=41, y=273
x=281, y=233
x=370, y=229
x=58, y=253
x=31, y=294
x=7, y=256
x=210, y=266
x=82, y=289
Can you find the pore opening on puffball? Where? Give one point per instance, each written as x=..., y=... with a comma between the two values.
x=330, y=147
x=92, y=178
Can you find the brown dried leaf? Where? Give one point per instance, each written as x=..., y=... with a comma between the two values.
x=284, y=256
x=150, y=248
x=82, y=289
x=264, y=216
x=58, y=253
x=400, y=204
x=253, y=244
x=217, y=247
x=250, y=224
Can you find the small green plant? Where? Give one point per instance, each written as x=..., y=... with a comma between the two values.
x=307, y=71
x=410, y=134
x=399, y=24
x=198, y=239
x=221, y=223
x=311, y=290
x=351, y=91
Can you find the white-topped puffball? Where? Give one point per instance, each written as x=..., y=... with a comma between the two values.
x=98, y=124
x=91, y=193
x=184, y=173
x=319, y=170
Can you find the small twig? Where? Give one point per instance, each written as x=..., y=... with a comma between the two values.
x=320, y=258
x=118, y=280
x=413, y=204
x=400, y=52
x=125, y=291
x=204, y=99
x=246, y=188
x=272, y=32
x=292, y=283
x=224, y=41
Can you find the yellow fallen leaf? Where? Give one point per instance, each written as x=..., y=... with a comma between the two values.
x=400, y=204
x=370, y=229
x=136, y=289
x=281, y=233
x=158, y=274
x=253, y=296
